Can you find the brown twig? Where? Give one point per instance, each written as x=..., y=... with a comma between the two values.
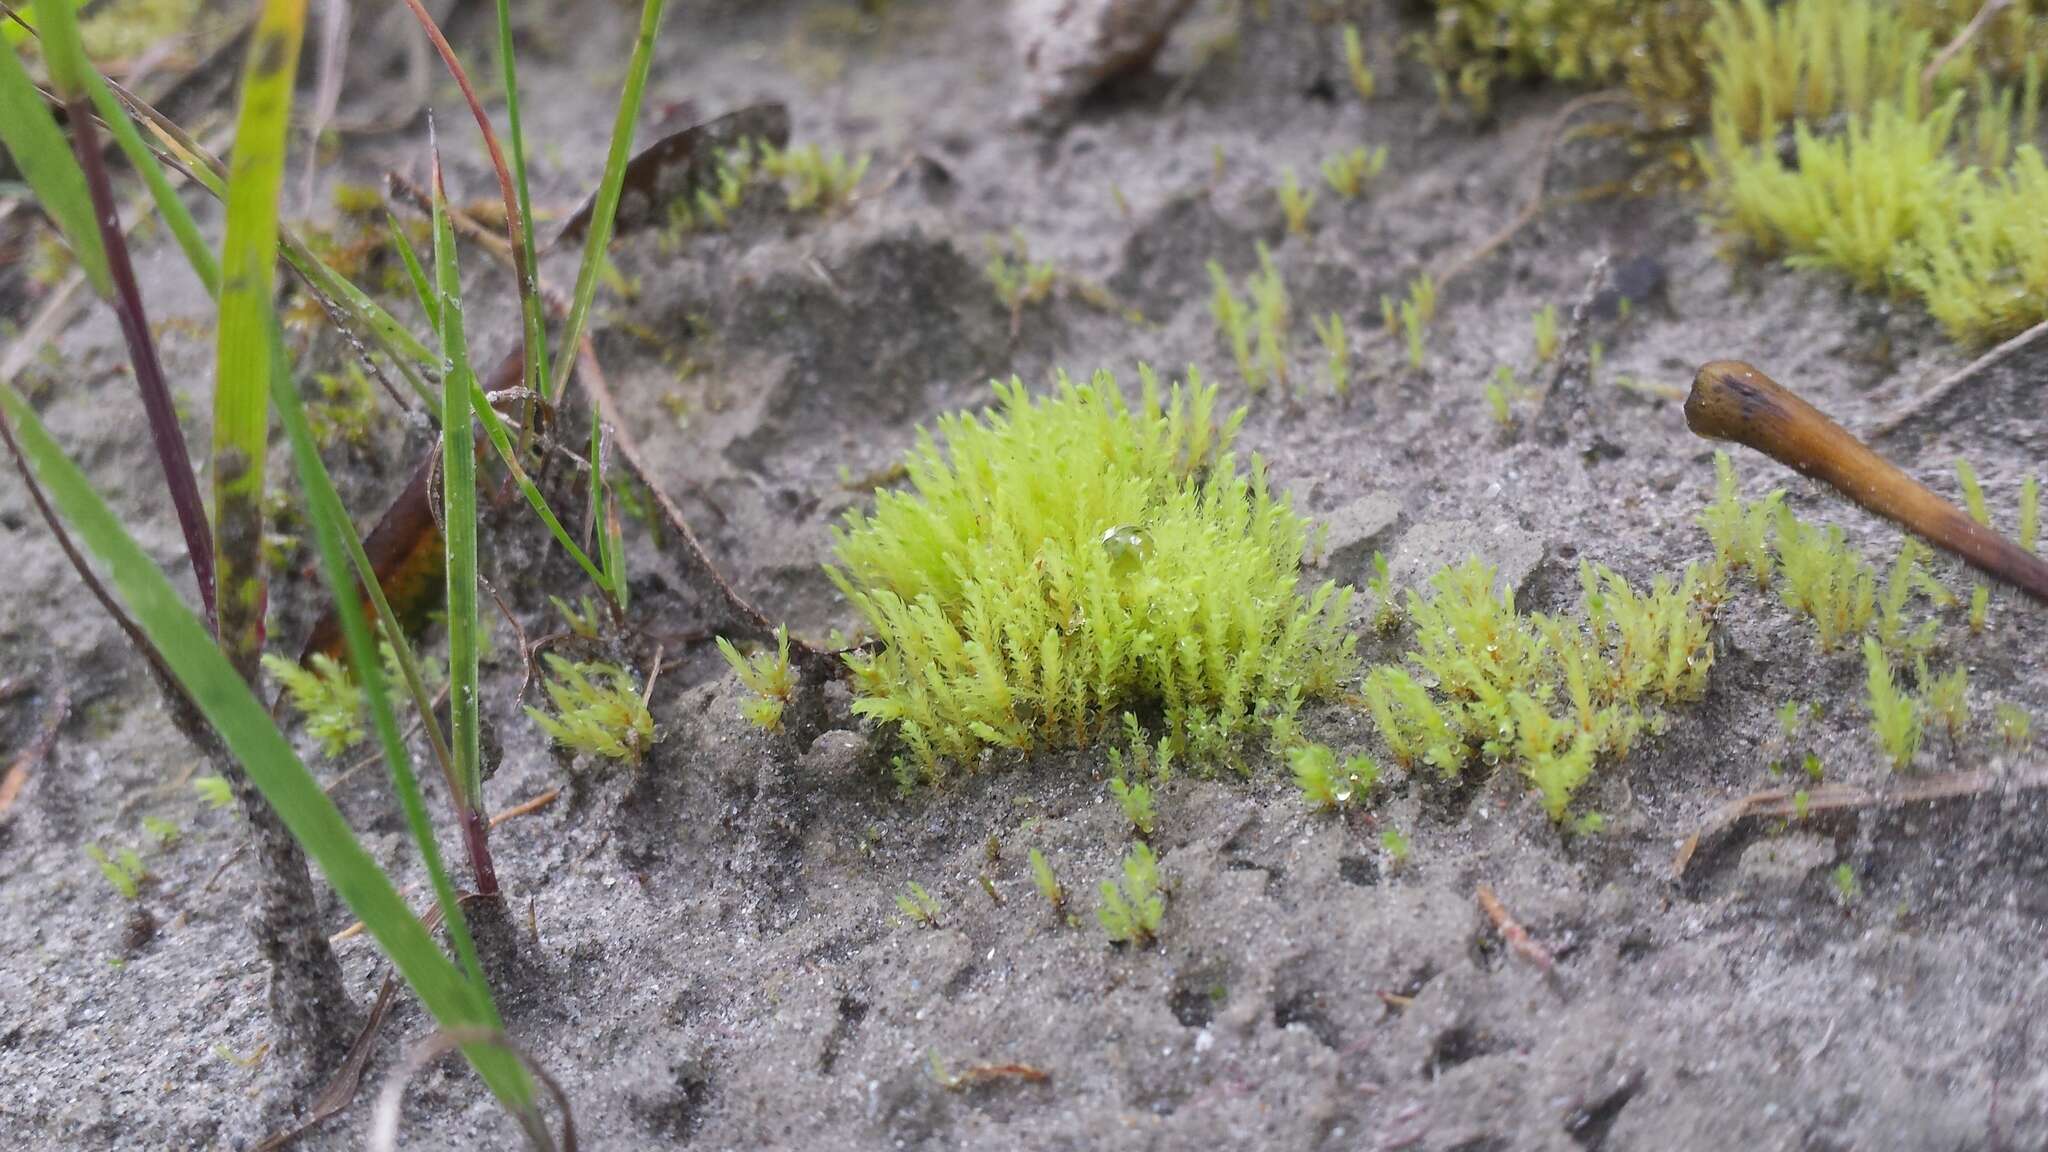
x=526, y=807
x=25, y=761
x=1961, y=41
x=1928, y=399
x=1734, y=401
x=1518, y=939
x=1841, y=800
x=347, y=1080
x=990, y=1073
x=817, y=665
x=1538, y=199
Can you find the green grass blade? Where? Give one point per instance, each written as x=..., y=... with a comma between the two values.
x=421, y=286
x=364, y=315
x=204, y=265
x=331, y=528
x=220, y=693
x=394, y=339
x=241, y=401
x=604, y=517
x=599, y=237
x=458, y=510
x=529, y=297
x=71, y=75
x=31, y=136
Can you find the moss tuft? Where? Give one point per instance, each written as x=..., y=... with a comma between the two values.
x=1064, y=559
x=598, y=710
x=1486, y=684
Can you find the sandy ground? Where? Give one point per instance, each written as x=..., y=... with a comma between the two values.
x=706, y=950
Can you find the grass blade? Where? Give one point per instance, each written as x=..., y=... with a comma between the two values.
x=46, y=163
x=333, y=532
x=421, y=286
x=168, y=203
x=365, y=318
x=604, y=518
x=216, y=687
x=599, y=237
x=533, y=329
x=458, y=527
x=241, y=400
x=532, y=313
x=70, y=74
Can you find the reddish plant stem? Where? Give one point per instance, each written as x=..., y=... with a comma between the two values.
x=476, y=836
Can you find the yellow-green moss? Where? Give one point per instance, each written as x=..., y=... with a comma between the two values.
x=1067, y=558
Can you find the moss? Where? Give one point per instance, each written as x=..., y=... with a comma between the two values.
x=1257, y=333
x=1653, y=48
x=1411, y=317
x=1740, y=529
x=813, y=179
x=1132, y=910
x=1932, y=200
x=1544, y=325
x=1047, y=883
x=344, y=411
x=598, y=710
x=1336, y=351
x=1065, y=559
x=918, y=906
x=1485, y=684
x=1326, y=785
x=1895, y=717
x=769, y=676
x=1851, y=202
x=1349, y=173
x=1019, y=280
x=123, y=869
x=1824, y=579
x=1296, y=202
x=2015, y=726
x=326, y=697
x=1363, y=81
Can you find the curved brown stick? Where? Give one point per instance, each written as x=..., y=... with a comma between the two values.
x=1731, y=400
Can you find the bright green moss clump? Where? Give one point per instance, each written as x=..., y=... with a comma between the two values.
x=1929, y=191
x=1064, y=559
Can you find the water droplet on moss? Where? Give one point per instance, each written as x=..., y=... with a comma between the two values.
x=1128, y=547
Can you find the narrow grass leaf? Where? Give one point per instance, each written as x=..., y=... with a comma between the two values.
x=458, y=511
x=241, y=400
x=221, y=694
x=422, y=288
x=598, y=238
x=332, y=529
x=533, y=330
x=71, y=75
x=169, y=204
x=44, y=159
x=529, y=290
